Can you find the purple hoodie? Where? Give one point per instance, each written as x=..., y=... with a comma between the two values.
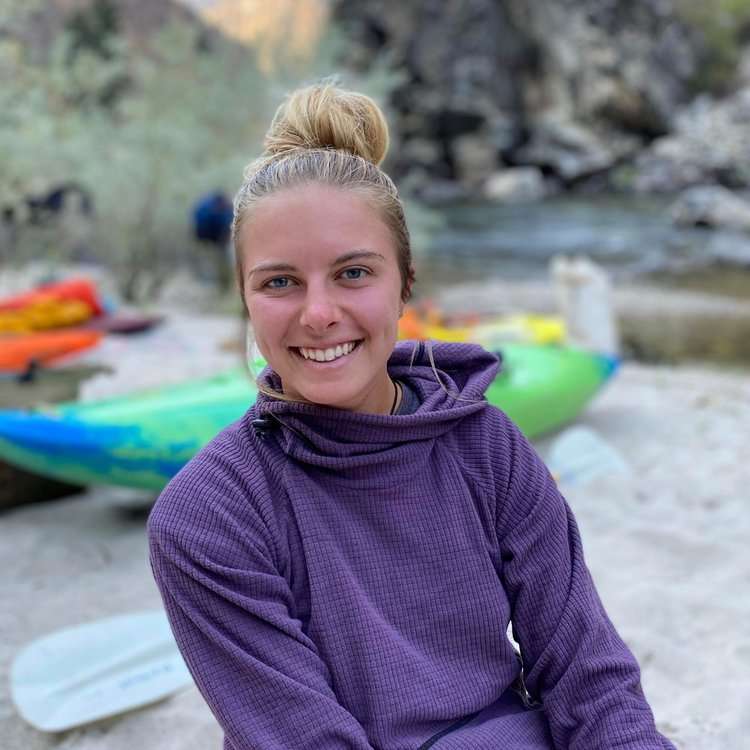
x=345, y=580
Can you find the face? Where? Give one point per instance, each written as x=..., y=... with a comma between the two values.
x=322, y=282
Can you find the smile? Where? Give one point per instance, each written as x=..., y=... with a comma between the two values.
x=327, y=355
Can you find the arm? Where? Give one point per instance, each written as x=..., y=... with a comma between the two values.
x=574, y=660
x=231, y=614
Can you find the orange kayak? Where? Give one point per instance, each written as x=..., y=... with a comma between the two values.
x=17, y=353
x=80, y=289
x=45, y=314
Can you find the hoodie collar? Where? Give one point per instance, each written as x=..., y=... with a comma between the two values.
x=340, y=439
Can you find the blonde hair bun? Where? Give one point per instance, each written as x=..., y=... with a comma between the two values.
x=324, y=116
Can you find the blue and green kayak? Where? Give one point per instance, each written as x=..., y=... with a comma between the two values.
x=142, y=440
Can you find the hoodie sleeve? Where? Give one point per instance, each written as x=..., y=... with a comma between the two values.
x=574, y=661
x=231, y=613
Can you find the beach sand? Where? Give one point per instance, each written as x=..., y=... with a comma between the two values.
x=667, y=544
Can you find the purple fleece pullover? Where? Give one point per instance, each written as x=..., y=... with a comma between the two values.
x=346, y=580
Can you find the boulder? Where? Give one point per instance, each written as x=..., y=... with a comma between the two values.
x=421, y=152
x=516, y=185
x=711, y=144
x=711, y=206
x=570, y=87
x=570, y=150
x=435, y=190
x=475, y=158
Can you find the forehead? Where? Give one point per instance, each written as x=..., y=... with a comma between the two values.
x=313, y=223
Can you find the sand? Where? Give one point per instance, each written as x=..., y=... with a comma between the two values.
x=667, y=544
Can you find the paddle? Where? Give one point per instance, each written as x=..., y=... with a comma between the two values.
x=579, y=455
x=95, y=670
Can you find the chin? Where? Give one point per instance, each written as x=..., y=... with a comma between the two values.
x=328, y=396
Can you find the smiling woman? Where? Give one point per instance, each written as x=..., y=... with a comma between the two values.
x=330, y=295
x=341, y=565
x=345, y=257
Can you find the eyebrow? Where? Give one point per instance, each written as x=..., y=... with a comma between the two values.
x=353, y=255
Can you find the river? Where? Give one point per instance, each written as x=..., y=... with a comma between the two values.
x=631, y=236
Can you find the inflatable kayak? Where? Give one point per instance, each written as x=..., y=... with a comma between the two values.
x=18, y=353
x=143, y=440
x=488, y=332
x=77, y=289
x=43, y=315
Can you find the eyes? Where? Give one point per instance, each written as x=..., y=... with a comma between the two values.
x=348, y=274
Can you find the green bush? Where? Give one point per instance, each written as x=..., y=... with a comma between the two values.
x=144, y=132
x=723, y=26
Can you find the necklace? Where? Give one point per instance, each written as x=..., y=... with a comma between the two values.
x=396, y=394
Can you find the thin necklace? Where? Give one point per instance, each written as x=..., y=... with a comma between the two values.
x=396, y=393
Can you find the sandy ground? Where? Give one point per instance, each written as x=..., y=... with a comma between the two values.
x=666, y=542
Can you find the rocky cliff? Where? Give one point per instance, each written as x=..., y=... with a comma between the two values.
x=569, y=87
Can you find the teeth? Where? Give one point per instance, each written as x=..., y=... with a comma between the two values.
x=327, y=355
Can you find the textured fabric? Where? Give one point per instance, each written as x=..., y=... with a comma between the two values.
x=347, y=580
x=409, y=401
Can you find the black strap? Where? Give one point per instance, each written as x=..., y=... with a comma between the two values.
x=456, y=725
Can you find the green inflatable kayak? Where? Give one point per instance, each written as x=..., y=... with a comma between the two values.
x=144, y=439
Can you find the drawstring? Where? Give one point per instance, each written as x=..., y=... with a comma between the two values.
x=263, y=426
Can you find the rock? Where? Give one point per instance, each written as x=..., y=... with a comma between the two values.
x=743, y=67
x=503, y=133
x=667, y=166
x=624, y=66
x=711, y=206
x=729, y=249
x=711, y=144
x=516, y=185
x=567, y=149
x=474, y=157
x=495, y=73
x=421, y=152
x=436, y=191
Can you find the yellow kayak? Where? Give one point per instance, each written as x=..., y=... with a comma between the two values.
x=489, y=332
x=44, y=314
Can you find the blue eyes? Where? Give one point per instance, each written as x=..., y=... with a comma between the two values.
x=348, y=274
x=354, y=270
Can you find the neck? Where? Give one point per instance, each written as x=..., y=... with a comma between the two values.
x=384, y=398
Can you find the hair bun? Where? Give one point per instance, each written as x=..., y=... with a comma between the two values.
x=325, y=116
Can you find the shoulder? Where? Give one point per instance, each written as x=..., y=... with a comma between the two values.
x=224, y=489
x=487, y=434
x=497, y=453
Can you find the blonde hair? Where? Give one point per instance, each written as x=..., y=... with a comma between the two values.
x=325, y=134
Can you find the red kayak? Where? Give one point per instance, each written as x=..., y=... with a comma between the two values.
x=79, y=289
x=19, y=353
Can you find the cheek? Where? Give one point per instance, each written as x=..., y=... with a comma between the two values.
x=376, y=313
x=266, y=318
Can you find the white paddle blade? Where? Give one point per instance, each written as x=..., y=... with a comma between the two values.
x=99, y=669
x=579, y=455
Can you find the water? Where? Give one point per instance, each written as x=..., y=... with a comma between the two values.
x=631, y=236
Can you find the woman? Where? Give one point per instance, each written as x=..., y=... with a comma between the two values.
x=340, y=566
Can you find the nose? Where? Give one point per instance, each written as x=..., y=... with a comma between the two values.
x=319, y=311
